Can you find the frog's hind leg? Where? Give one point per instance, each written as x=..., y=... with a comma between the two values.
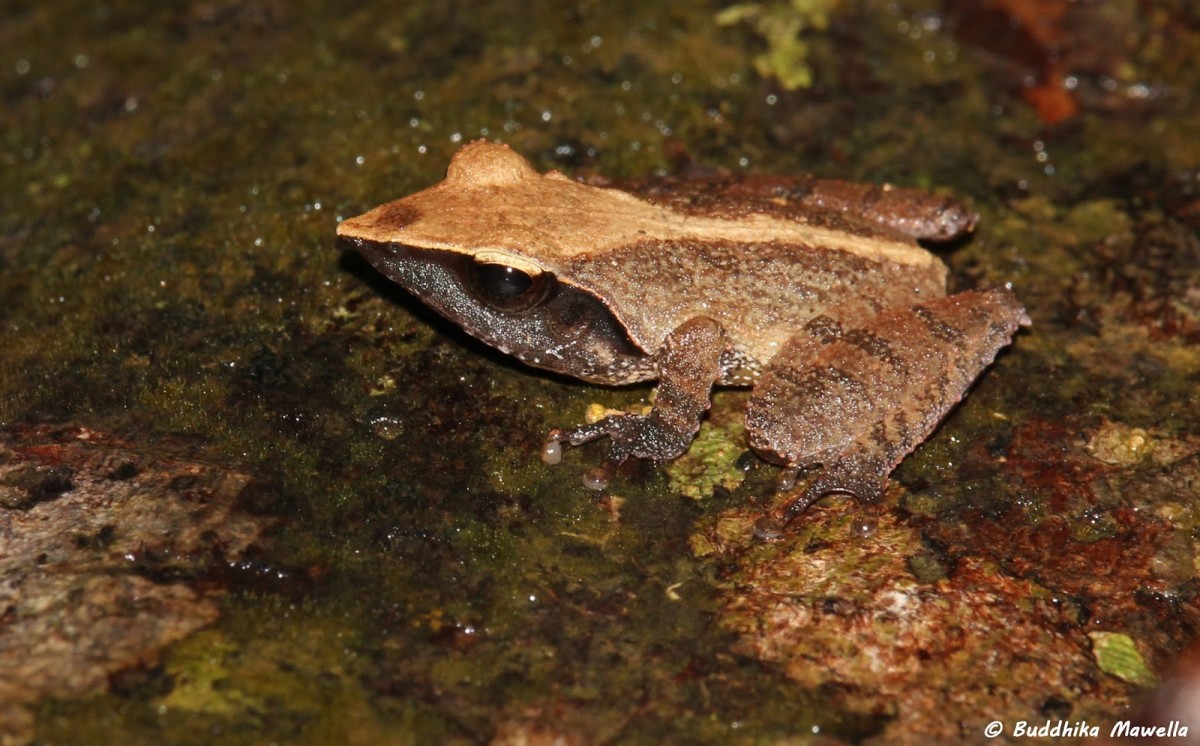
x=860, y=395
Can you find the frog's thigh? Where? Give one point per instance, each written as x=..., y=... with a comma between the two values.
x=859, y=403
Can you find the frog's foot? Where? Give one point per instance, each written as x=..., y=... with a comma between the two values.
x=864, y=478
x=631, y=436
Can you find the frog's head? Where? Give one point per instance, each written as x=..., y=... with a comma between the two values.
x=484, y=249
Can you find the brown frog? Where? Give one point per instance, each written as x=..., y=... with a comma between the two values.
x=814, y=292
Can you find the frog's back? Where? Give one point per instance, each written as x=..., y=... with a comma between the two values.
x=877, y=211
x=761, y=292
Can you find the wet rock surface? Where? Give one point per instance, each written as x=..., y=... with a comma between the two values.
x=172, y=178
x=104, y=551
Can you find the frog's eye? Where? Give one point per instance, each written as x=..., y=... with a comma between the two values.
x=508, y=288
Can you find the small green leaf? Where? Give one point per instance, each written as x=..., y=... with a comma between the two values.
x=1117, y=655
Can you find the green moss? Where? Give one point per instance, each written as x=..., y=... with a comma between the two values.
x=783, y=26
x=928, y=502
x=515, y=470
x=1093, y=526
x=290, y=673
x=1098, y=220
x=201, y=673
x=711, y=461
x=926, y=568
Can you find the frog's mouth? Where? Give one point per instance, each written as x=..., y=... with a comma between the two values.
x=534, y=317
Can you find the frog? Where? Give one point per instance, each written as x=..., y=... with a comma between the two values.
x=818, y=294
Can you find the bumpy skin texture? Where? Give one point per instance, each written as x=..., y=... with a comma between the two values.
x=857, y=398
x=760, y=261
x=815, y=292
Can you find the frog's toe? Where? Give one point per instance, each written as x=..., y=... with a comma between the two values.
x=865, y=479
x=552, y=449
x=559, y=438
x=578, y=435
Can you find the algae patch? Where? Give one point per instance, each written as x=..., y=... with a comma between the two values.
x=711, y=461
x=784, y=27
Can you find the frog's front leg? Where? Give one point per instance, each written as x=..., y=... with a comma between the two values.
x=688, y=366
x=856, y=395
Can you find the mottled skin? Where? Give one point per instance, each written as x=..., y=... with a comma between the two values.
x=815, y=292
